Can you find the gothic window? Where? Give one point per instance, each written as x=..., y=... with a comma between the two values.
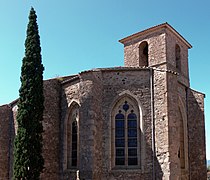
x=126, y=134
x=72, y=137
x=143, y=54
x=74, y=143
x=178, y=57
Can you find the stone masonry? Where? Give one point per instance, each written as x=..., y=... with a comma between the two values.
x=80, y=124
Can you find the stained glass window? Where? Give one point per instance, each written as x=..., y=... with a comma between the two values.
x=120, y=138
x=126, y=136
x=74, y=144
x=132, y=139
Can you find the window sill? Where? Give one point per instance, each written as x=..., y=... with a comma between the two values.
x=127, y=169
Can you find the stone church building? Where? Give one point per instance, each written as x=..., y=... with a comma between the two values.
x=141, y=121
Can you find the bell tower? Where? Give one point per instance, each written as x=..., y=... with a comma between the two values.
x=165, y=52
x=160, y=46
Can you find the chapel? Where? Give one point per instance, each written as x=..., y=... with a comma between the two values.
x=137, y=121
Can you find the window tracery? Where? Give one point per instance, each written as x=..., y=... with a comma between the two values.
x=126, y=134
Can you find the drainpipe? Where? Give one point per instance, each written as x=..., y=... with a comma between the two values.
x=152, y=121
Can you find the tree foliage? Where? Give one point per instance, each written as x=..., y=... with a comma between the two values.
x=28, y=160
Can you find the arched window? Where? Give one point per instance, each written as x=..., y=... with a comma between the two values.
x=178, y=57
x=74, y=141
x=143, y=54
x=72, y=137
x=126, y=134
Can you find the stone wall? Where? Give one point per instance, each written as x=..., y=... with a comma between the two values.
x=156, y=49
x=173, y=125
x=96, y=92
x=51, y=125
x=90, y=114
x=159, y=95
x=135, y=84
x=182, y=103
x=196, y=130
x=97, y=115
x=171, y=41
x=161, y=125
x=86, y=90
x=70, y=95
x=51, y=135
x=5, y=118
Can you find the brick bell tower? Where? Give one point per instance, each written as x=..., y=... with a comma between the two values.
x=178, y=110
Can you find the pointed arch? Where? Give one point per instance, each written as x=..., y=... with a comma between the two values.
x=127, y=140
x=183, y=152
x=71, y=136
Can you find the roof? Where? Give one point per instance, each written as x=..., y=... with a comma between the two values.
x=110, y=69
x=128, y=68
x=155, y=28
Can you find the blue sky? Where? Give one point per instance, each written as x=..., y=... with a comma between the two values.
x=78, y=35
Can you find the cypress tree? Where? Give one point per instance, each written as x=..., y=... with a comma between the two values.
x=28, y=160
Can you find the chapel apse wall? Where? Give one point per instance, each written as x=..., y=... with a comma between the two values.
x=96, y=91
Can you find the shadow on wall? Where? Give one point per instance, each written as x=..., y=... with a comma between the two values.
x=63, y=139
x=196, y=133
